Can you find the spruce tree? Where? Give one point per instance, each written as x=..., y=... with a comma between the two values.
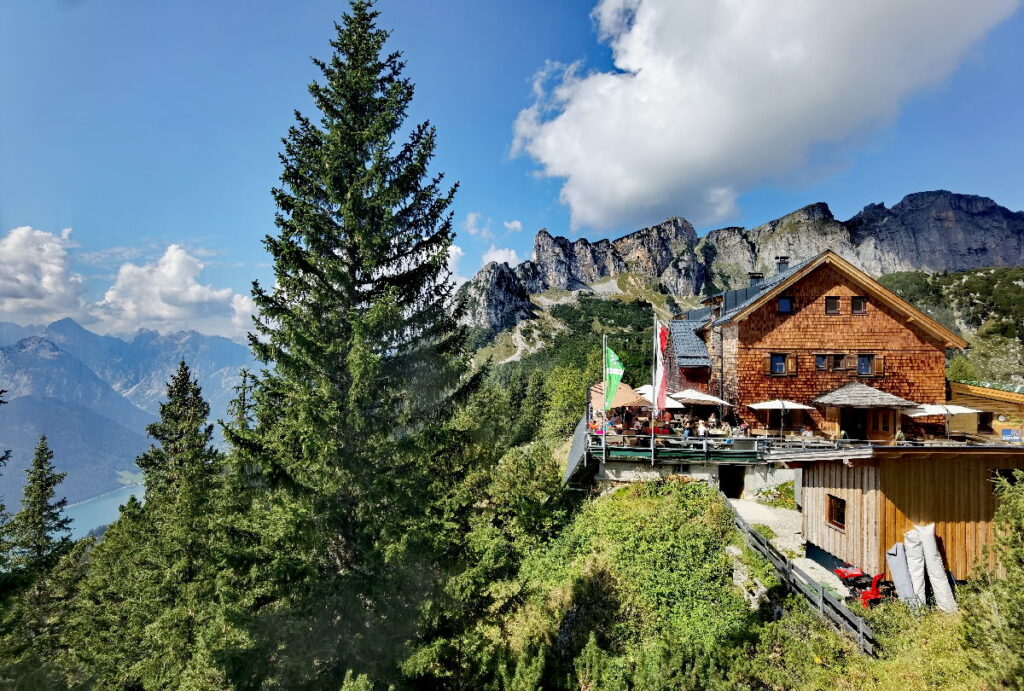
x=364, y=360
x=40, y=532
x=153, y=578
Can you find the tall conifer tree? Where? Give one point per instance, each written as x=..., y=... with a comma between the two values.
x=40, y=532
x=363, y=350
x=146, y=606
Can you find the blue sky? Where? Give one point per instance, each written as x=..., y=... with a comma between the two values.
x=143, y=125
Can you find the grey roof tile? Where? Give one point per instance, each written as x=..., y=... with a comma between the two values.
x=767, y=284
x=690, y=349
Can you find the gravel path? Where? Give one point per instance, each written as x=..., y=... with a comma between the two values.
x=787, y=525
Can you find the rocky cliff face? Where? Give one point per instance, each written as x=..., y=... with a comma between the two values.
x=495, y=298
x=930, y=231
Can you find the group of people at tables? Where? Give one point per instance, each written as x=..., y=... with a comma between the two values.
x=637, y=422
x=626, y=421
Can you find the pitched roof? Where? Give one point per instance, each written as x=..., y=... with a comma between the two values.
x=774, y=286
x=857, y=395
x=765, y=285
x=690, y=349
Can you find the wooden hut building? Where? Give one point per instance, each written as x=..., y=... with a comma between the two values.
x=816, y=333
x=855, y=509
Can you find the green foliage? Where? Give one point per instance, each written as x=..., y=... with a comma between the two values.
x=501, y=512
x=637, y=570
x=764, y=531
x=567, y=390
x=796, y=652
x=146, y=609
x=960, y=368
x=627, y=324
x=781, y=496
x=994, y=608
x=335, y=478
x=989, y=303
x=40, y=532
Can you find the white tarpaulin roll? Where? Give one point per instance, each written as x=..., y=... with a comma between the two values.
x=915, y=563
x=944, y=599
x=897, y=560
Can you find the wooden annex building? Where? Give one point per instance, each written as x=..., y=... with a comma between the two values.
x=858, y=508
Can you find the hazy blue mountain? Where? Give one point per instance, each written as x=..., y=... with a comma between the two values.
x=35, y=366
x=139, y=368
x=93, y=449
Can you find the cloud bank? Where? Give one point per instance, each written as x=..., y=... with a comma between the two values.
x=37, y=286
x=36, y=283
x=710, y=97
x=167, y=295
x=501, y=254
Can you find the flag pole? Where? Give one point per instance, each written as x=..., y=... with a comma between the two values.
x=654, y=385
x=604, y=411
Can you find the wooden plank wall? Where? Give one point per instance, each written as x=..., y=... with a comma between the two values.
x=914, y=365
x=954, y=490
x=858, y=485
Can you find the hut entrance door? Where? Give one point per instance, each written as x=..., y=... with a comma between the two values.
x=730, y=480
x=854, y=421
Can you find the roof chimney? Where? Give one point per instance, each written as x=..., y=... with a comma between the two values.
x=781, y=264
x=755, y=278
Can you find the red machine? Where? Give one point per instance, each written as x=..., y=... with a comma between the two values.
x=866, y=589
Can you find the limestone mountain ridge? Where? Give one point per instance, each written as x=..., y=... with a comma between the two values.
x=934, y=231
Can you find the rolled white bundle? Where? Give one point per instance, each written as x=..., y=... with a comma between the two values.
x=915, y=563
x=944, y=599
x=897, y=559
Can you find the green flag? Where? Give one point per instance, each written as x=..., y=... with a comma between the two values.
x=612, y=375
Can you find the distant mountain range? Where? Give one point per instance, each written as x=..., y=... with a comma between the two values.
x=93, y=396
x=927, y=231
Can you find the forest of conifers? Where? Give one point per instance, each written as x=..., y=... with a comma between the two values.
x=383, y=514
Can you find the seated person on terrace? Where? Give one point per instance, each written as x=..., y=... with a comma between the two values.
x=702, y=429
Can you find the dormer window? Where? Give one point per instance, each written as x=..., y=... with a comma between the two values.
x=785, y=305
x=832, y=304
x=859, y=305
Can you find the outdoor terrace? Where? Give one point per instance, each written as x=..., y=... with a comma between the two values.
x=667, y=449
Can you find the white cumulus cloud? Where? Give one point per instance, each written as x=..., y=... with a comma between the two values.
x=513, y=226
x=710, y=97
x=501, y=254
x=455, y=255
x=476, y=224
x=166, y=295
x=36, y=282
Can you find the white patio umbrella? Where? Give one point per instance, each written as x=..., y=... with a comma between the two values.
x=647, y=391
x=694, y=397
x=945, y=409
x=926, y=409
x=779, y=404
x=782, y=405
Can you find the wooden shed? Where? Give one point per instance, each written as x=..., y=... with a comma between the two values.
x=858, y=509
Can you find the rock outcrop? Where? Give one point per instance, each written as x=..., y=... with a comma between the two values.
x=495, y=298
x=929, y=231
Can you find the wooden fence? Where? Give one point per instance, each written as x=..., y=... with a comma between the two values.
x=830, y=608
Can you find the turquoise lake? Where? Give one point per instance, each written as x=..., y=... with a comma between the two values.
x=103, y=509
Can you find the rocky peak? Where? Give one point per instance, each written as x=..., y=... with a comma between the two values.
x=931, y=231
x=494, y=299
x=39, y=347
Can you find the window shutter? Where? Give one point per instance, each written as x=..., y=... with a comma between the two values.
x=879, y=365
x=767, y=364
x=791, y=364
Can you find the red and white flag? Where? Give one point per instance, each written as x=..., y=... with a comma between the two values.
x=660, y=382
